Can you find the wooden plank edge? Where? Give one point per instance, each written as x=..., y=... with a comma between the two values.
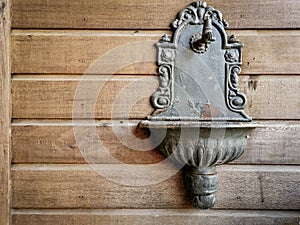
x=132, y=123
x=144, y=167
x=80, y=77
x=268, y=213
x=49, y=216
x=5, y=112
x=97, y=32
x=141, y=32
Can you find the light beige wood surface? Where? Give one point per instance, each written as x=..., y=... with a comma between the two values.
x=269, y=97
x=54, y=42
x=5, y=112
x=148, y=14
x=65, y=52
x=54, y=97
x=75, y=51
x=40, y=141
x=151, y=217
x=82, y=186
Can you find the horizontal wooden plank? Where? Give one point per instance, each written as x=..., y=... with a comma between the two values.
x=54, y=142
x=272, y=97
x=141, y=186
x=150, y=217
x=148, y=14
x=76, y=51
x=275, y=142
x=65, y=52
x=269, y=97
x=54, y=98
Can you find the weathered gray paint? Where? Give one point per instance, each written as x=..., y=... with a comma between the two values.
x=198, y=101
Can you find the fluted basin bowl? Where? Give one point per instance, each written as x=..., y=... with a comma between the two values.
x=198, y=147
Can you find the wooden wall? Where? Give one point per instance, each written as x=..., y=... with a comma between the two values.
x=54, y=42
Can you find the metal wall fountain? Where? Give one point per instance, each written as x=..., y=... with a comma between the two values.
x=198, y=100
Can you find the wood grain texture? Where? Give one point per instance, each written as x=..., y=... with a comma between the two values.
x=82, y=186
x=54, y=142
x=63, y=189
x=269, y=97
x=151, y=217
x=148, y=14
x=277, y=142
x=73, y=52
x=54, y=97
x=5, y=112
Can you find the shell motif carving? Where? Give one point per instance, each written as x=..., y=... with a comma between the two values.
x=197, y=13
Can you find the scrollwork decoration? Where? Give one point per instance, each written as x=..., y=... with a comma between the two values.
x=236, y=100
x=162, y=97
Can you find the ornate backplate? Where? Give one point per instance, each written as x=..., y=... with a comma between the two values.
x=199, y=70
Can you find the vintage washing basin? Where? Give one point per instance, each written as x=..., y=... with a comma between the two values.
x=198, y=101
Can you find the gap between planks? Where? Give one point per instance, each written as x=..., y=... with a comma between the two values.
x=152, y=216
x=167, y=166
x=133, y=123
x=87, y=77
x=147, y=33
x=89, y=33
x=138, y=212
